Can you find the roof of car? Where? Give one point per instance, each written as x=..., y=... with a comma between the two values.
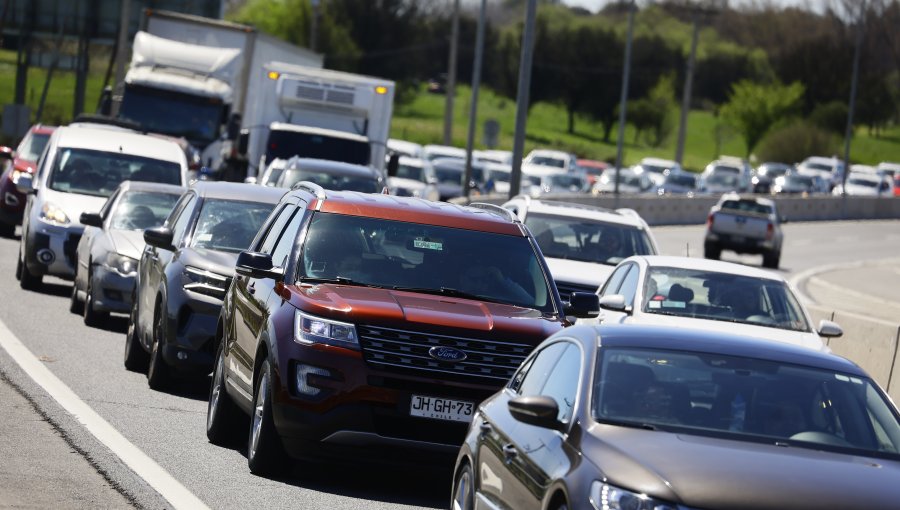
x=716, y=342
x=40, y=129
x=576, y=210
x=659, y=162
x=736, y=196
x=91, y=137
x=283, y=126
x=550, y=153
x=334, y=167
x=151, y=186
x=238, y=191
x=415, y=210
x=716, y=266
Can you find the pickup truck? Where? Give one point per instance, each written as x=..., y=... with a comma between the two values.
x=744, y=225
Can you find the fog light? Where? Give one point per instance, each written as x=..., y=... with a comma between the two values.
x=45, y=256
x=181, y=355
x=303, y=386
x=10, y=199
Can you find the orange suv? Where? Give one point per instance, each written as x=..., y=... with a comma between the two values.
x=362, y=322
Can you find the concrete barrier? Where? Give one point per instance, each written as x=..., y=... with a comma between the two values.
x=681, y=210
x=870, y=343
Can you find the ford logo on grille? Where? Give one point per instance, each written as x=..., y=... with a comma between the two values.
x=446, y=354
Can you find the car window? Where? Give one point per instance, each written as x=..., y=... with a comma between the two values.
x=139, y=210
x=562, y=382
x=329, y=180
x=229, y=225
x=587, y=240
x=542, y=365
x=287, y=239
x=98, y=173
x=615, y=280
x=181, y=222
x=268, y=242
x=629, y=286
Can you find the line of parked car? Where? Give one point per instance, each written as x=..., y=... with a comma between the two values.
x=545, y=346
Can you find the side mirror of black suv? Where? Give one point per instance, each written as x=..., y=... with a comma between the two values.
x=583, y=305
x=257, y=265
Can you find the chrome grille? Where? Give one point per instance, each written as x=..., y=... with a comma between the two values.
x=394, y=349
x=567, y=288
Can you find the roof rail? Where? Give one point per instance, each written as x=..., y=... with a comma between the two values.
x=496, y=209
x=94, y=118
x=311, y=187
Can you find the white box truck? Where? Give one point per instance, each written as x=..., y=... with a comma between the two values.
x=191, y=77
x=318, y=113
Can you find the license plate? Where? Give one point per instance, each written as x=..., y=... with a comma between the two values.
x=441, y=408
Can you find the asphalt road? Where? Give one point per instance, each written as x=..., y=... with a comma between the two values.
x=169, y=427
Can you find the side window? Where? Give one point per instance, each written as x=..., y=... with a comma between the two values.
x=268, y=243
x=629, y=286
x=177, y=209
x=615, y=281
x=540, y=369
x=182, y=221
x=287, y=240
x=562, y=384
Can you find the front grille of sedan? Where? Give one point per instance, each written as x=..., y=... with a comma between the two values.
x=567, y=288
x=486, y=361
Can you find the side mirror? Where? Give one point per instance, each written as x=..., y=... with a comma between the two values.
x=243, y=141
x=393, y=164
x=540, y=411
x=25, y=185
x=828, y=329
x=614, y=302
x=89, y=219
x=159, y=237
x=234, y=126
x=583, y=305
x=257, y=265
x=6, y=153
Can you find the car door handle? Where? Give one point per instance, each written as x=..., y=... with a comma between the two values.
x=251, y=288
x=510, y=452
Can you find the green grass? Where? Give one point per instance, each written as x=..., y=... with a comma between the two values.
x=422, y=121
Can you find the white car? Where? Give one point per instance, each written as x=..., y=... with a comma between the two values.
x=414, y=178
x=80, y=168
x=630, y=182
x=830, y=169
x=713, y=295
x=866, y=183
x=657, y=169
x=559, y=160
x=493, y=156
x=433, y=152
x=581, y=243
x=726, y=175
x=405, y=148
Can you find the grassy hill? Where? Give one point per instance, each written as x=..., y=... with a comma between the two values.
x=422, y=121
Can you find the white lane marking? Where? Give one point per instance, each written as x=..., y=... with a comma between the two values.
x=145, y=467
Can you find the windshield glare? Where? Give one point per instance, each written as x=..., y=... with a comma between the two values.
x=229, y=225
x=97, y=173
x=745, y=399
x=585, y=240
x=196, y=118
x=139, y=210
x=328, y=180
x=722, y=296
x=383, y=253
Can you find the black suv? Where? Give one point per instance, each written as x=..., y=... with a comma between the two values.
x=373, y=322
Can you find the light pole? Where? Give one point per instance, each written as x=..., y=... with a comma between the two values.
x=686, y=97
x=522, y=97
x=314, y=24
x=623, y=101
x=473, y=107
x=853, y=83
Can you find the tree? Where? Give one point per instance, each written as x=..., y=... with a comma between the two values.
x=753, y=108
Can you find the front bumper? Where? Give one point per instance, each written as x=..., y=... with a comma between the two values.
x=51, y=249
x=192, y=321
x=112, y=290
x=740, y=244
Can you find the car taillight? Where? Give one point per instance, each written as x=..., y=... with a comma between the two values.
x=709, y=221
x=770, y=231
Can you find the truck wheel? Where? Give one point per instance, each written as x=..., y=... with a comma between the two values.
x=771, y=259
x=712, y=252
x=265, y=454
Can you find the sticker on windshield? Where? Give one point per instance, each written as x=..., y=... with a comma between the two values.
x=428, y=245
x=674, y=304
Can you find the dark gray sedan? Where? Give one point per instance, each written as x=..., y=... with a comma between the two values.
x=651, y=418
x=111, y=246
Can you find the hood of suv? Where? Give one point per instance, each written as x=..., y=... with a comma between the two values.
x=426, y=312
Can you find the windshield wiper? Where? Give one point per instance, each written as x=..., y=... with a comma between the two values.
x=340, y=280
x=444, y=291
x=631, y=424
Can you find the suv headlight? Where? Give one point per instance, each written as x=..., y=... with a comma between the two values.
x=205, y=282
x=126, y=266
x=309, y=329
x=51, y=213
x=609, y=497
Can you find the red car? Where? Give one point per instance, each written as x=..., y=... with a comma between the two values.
x=591, y=168
x=24, y=159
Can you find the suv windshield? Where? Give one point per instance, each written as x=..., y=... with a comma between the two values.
x=425, y=258
x=139, y=210
x=97, y=173
x=582, y=239
x=286, y=144
x=229, y=225
x=744, y=399
x=722, y=296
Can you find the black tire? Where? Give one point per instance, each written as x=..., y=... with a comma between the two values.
x=92, y=317
x=771, y=259
x=463, y=489
x=223, y=419
x=75, y=304
x=265, y=454
x=136, y=358
x=27, y=279
x=7, y=230
x=158, y=371
x=712, y=252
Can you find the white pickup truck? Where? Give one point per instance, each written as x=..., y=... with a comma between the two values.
x=744, y=225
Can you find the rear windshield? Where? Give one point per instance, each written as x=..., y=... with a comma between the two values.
x=588, y=241
x=425, y=258
x=98, y=173
x=229, y=225
x=747, y=206
x=286, y=144
x=328, y=180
